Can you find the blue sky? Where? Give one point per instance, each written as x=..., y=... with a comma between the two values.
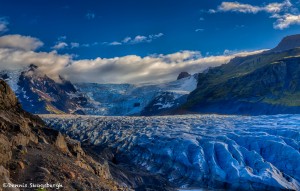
x=180, y=25
x=133, y=41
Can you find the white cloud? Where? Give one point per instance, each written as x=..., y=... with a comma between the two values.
x=115, y=43
x=136, y=40
x=20, y=42
x=284, y=13
x=126, y=39
x=90, y=15
x=60, y=45
x=238, y=7
x=284, y=21
x=50, y=63
x=199, y=30
x=278, y=7
x=139, y=39
x=3, y=24
x=62, y=38
x=247, y=8
x=75, y=45
x=149, y=69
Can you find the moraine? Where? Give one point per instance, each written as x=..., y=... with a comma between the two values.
x=204, y=151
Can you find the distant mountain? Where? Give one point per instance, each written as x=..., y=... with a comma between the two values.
x=265, y=83
x=287, y=43
x=40, y=94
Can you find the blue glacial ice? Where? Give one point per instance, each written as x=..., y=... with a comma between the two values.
x=205, y=151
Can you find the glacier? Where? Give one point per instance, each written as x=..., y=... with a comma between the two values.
x=199, y=151
x=136, y=99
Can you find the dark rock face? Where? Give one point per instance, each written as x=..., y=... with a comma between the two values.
x=164, y=103
x=287, y=43
x=40, y=94
x=183, y=75
x=7, y=97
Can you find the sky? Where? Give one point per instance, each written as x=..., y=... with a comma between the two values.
x=133, y=41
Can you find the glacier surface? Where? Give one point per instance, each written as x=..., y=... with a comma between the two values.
x=200, y=151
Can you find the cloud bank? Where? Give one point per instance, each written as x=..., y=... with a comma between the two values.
x=20, y=42
x=127, y=69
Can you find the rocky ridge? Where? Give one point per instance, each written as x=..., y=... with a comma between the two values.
x=33, y=153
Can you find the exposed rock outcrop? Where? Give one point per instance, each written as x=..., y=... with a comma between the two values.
x=8, y=99
x=183, y=75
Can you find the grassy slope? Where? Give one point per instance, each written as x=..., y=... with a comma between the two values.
x=251, y=79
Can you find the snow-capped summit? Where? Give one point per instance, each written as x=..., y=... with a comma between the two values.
x=38, y=93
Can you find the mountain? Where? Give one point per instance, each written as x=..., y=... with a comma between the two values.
x=38, y=93
x=265, y=83
x=287, y=43
x=129, y=99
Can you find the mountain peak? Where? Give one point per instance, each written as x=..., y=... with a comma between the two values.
x=287, y=43
x=183, y=75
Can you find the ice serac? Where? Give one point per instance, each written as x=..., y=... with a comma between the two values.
x=204, y=151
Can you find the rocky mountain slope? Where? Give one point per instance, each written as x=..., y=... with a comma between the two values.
x=40, y=94
x=266, y=83
x=32, y=155
x=199, y=151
